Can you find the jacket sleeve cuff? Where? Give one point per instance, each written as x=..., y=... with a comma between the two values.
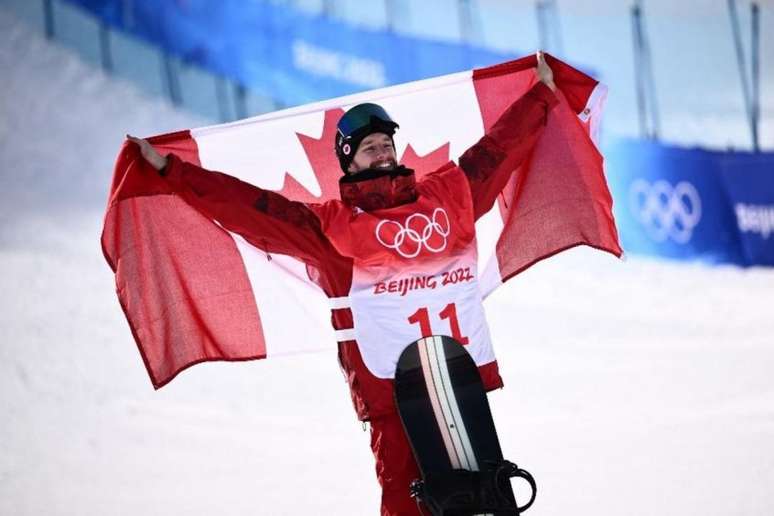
x=540, y=91
x=172, y=171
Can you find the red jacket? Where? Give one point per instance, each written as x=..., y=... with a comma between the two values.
x=324, y=236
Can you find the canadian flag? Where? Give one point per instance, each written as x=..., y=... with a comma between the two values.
x=193, y=291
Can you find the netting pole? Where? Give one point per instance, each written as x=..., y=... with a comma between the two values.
x=173, y=86
x=741, y=65
x=220, y=94
x=104, y=48
x=542, y=25
x=465, y=11
x=651, y=83
x=48, y=18
x=390, y=14
x=557, y=29
x=638, y=83
x=329, y=8
x=549, y=27
x=756, y=79
x=240, y=100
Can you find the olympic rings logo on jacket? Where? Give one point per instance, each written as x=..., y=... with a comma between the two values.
x=416, y=233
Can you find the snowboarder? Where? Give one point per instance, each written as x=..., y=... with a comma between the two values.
x=396, y=256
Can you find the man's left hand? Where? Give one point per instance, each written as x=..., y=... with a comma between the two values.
x=544, y=72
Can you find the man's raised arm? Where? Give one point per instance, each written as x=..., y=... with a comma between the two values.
x=264, y=218
x=489, y=163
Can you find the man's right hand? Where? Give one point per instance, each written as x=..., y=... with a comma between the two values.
x=149, y=153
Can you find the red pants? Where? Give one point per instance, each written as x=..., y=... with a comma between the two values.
x=395, y=465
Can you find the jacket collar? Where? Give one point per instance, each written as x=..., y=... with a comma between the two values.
x=378, y=189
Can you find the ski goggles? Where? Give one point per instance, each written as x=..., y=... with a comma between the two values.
x=362, y=116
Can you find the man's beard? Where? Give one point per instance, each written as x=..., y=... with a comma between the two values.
x=393, y=170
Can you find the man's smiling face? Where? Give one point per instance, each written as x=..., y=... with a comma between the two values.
x=375, y=151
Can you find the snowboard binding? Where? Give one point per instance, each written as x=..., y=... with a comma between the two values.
x=464, y=493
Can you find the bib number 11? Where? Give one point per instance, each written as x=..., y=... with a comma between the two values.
x=422, y=318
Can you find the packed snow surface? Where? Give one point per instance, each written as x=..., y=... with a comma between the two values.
x=633, y=387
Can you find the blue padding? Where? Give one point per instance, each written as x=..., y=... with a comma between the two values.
x=693, y=203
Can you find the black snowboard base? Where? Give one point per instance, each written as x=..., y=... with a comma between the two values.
x=445, y=412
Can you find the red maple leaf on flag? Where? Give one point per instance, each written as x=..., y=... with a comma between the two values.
x=325, y=164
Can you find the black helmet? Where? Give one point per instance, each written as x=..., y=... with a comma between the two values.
x=356, y=124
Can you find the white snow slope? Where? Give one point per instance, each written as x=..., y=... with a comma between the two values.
x=632, y=387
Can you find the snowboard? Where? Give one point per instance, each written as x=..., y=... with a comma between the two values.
x=445, y=413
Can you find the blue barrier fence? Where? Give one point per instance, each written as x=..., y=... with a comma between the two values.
x=290, y=55
x=693, y=204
